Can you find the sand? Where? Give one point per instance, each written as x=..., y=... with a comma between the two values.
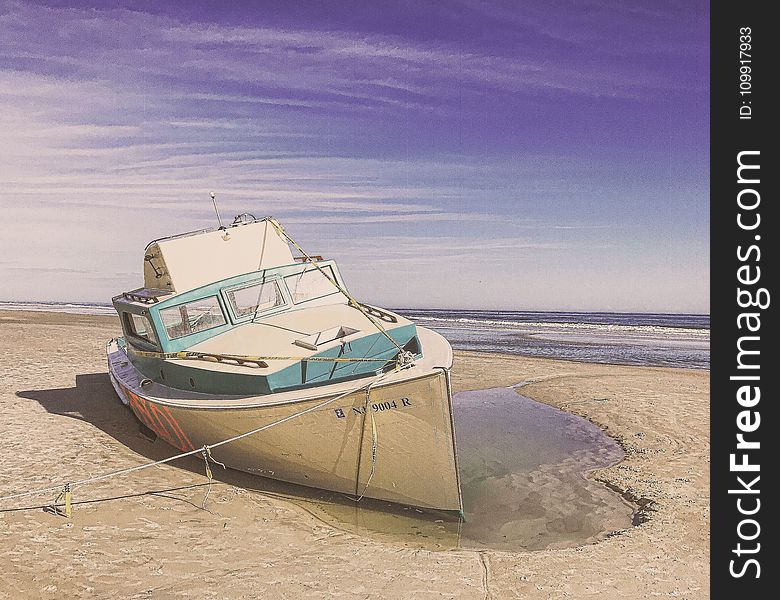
x=59, y=421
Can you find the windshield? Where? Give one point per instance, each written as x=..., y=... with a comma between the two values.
x=256, y=298
x=138, y=327
x=192, y=317
x=311, y=284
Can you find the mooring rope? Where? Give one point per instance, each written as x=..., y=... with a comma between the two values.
x=205, y=449
x=206, y=458
x=374, y=445
x=242, y=358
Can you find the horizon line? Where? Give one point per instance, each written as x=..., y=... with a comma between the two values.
x=530, y=310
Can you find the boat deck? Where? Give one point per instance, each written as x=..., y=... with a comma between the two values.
x=437, y=354
x=276, y=335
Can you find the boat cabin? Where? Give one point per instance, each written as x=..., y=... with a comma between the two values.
x=253, y=318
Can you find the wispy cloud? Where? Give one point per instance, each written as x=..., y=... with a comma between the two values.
x=300, y=68
x=532, y=137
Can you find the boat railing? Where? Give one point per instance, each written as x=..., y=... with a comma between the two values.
x=146, y=295
x=303, y=259
x=378, y=313
x=237, y=222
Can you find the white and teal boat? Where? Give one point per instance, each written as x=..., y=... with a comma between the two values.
x=266, y=360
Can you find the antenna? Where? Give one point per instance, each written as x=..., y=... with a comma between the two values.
x=216, y=210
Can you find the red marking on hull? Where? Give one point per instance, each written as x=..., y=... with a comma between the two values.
x=160, y=420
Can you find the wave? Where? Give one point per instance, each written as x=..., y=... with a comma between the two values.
x=80, y=308
x=617, y=338
x=617, y=328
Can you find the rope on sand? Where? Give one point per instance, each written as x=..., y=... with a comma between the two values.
x=205, y=450
x=58, y=504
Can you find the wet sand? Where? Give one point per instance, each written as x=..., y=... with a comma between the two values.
x=55, y=425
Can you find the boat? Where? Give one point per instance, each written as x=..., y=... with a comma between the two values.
x=266, y=363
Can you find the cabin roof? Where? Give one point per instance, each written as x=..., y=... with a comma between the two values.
x=185, y=262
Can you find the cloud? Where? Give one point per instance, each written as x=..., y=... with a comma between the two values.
x=283, y=67
x=118, y=123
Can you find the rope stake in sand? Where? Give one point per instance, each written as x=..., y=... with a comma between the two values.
x=206, y=458
x=64, y=495
x=205, y=449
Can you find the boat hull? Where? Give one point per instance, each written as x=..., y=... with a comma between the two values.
x=393, y=440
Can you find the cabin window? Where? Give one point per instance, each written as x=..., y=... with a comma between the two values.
x=308, y=285
x=139, y=327
x=253, y=299
x=192, y=317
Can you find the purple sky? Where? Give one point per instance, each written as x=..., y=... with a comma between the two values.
x=520, y=155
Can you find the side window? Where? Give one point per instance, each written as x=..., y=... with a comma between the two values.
x=192, y=317
x=255, y=298
x=310, y=284
x=139, y=327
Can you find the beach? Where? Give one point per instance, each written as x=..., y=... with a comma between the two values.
x=62, y=422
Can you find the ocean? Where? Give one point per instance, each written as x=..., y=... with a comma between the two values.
x=664, y=340
x=668, y=340
x=79, y=308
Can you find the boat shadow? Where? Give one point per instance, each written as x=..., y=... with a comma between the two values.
x=93, y=400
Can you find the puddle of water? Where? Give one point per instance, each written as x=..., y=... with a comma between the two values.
x=523, y=469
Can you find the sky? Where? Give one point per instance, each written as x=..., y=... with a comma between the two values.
x=542, y=155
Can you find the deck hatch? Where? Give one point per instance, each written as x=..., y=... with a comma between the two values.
x=321, y=338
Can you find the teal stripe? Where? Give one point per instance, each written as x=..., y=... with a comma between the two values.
x=300, y=375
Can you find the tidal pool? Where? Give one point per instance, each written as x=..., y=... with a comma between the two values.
x=523, y=467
